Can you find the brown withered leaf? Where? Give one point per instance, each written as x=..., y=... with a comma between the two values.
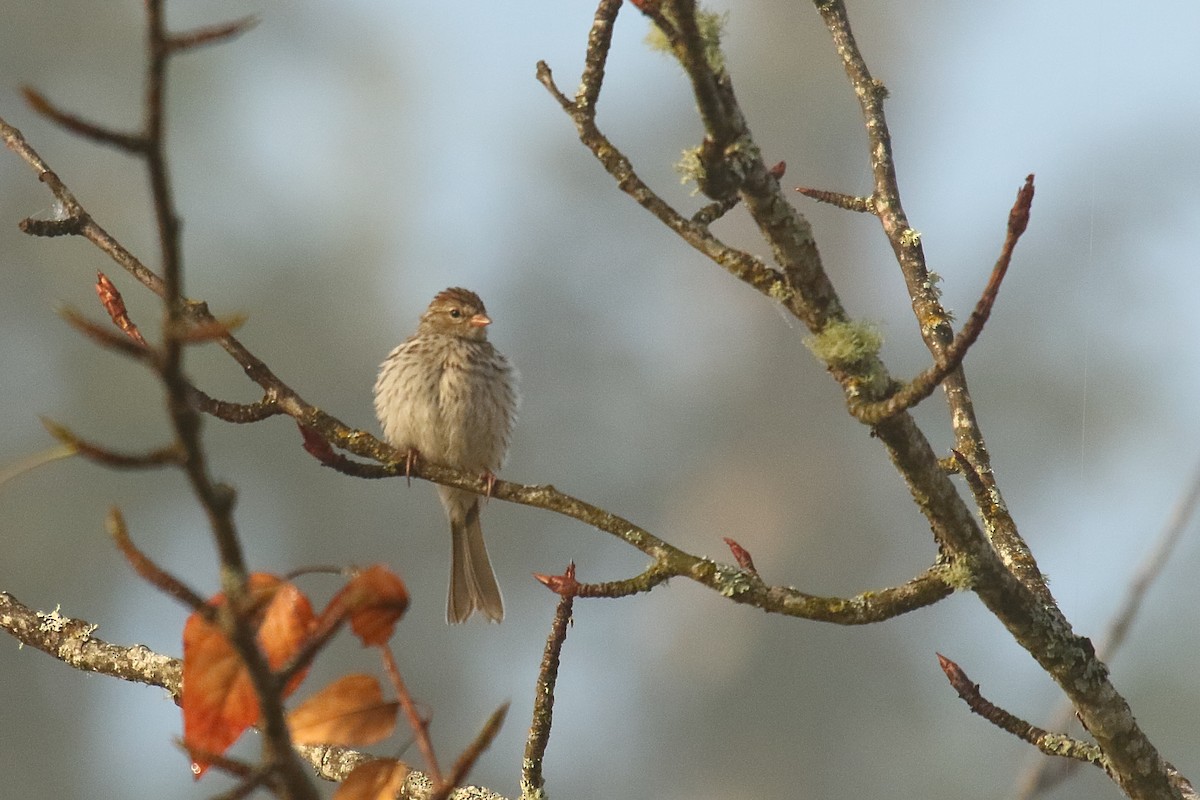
x=218, y=699
x=350, y=711
x=286, y=625
x=374, y=600
x=379, y=779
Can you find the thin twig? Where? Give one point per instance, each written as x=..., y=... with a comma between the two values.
x=105, y=336
x=418, y=723
x=152, y=573
x=239, y=413
x=214, y=34
x=111, y=458
x=653, y=576
x=129, y=142
x=847, y=202
x=35, y=460
x=715, y=210
x=533, y=782
x=466, y=760
x=1054, y=744
x=924, y=384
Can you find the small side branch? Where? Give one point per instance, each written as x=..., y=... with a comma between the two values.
x=655, y=575
x=71, y=641
x=847, y=202
x=214, y=34
x=129, y=142
x=1052, y=744
x=151, y=572
x=418, y=723
x=239, y=413
x=111, y=458
x=951, y=358
x=482, y=741
x=533, y=784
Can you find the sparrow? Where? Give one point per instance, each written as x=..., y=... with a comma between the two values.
x=447, y=395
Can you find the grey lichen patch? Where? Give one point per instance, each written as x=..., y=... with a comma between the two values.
x=780, y=291
x=930, y=284
x=711, y=26
x=528, y=791
x=691, y=168
x=657, y=40
x=844, y=344
x=52, y=622
x=1057, y=744
x=910, y=237
x=732, y=582
x=959, y=575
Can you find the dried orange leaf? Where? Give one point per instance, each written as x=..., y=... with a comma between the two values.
x=374, y=599
x=218, y=699
x=379, y=779
x=212, y=329
x=349, y=711
x=286, y=625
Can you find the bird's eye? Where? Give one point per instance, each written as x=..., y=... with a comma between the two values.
x=455, y=313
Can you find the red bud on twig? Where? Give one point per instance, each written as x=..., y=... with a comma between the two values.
x=114, y=304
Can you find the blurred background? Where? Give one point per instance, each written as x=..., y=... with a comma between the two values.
x=341, y=163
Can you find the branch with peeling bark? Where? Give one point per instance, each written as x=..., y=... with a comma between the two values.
x=871, y=606
x=73, y=642
x=1049, y=743
x=1000, y=567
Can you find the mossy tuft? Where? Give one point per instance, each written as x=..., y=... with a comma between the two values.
x=846, y=343
x=711, y=26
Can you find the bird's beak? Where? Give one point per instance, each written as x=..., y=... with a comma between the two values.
x=479, y=321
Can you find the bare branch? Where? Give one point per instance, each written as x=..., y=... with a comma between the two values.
x=1053, y=744
x=862, y=205
x=150, y=572
x=482, y=741
x=214, y=34
x=923, y=385
x=418, y=723
x=129, y=142
x=71, y=641
x=111, y=458
x=533, y=782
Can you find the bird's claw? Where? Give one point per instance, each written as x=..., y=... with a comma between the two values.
x=410, y=460
x=489, y=484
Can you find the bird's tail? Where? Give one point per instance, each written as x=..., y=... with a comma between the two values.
x=472, y=582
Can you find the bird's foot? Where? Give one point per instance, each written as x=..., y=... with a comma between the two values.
x=411, y=457
x=489, y=483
